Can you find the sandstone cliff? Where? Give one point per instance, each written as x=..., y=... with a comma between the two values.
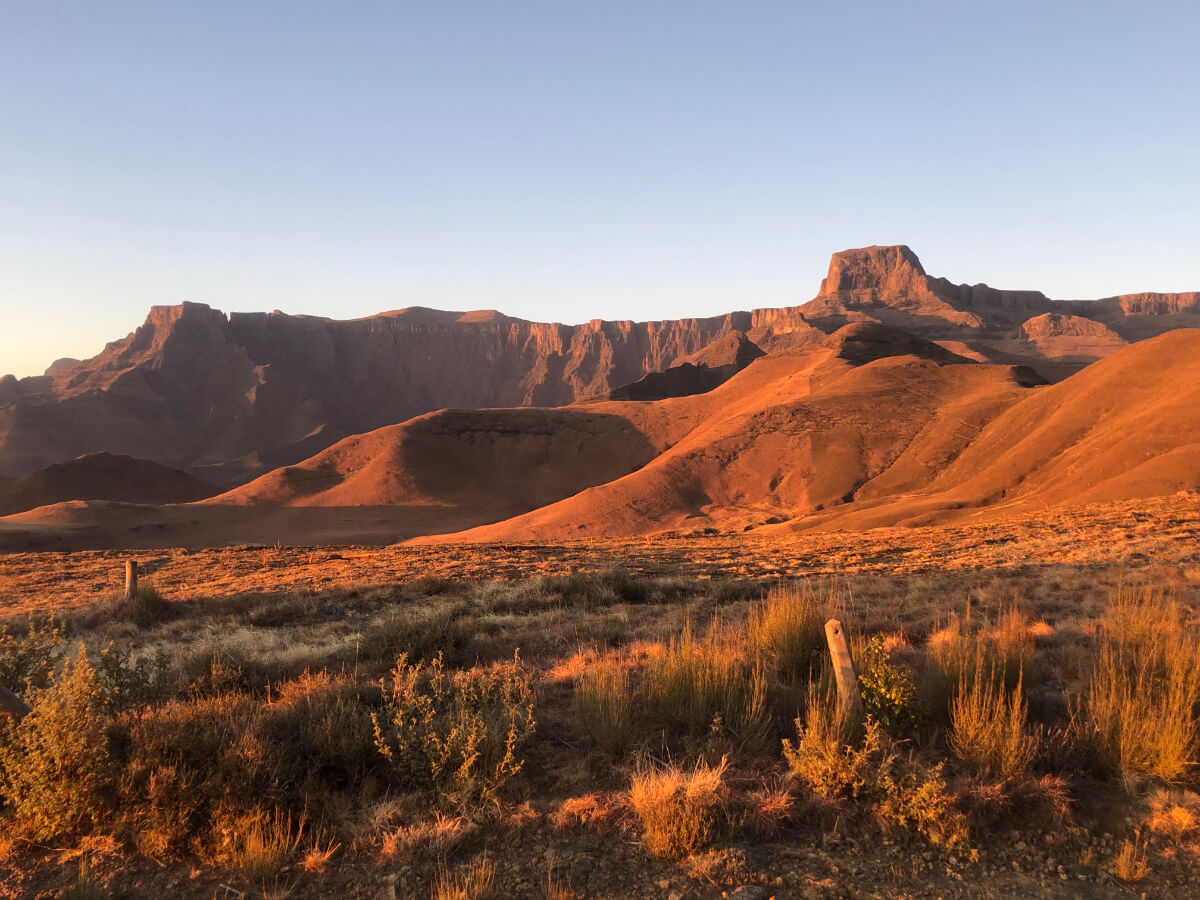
x=228, y=397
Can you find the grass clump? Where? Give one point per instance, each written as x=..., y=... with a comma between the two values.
x=460, y=732
x=56, y=769
x=989, y=727
x=418, y=637
x=472, y=882
x=708, y=685
x=604, y=704
x=1140, y=708
x=679, y=810
x=261, y=843
x=787, y=629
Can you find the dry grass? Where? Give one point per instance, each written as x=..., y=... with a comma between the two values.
x=260, y=844
x=989, y=727
x=1140, y=706
x=708, y=684
x=1130, y=864
x=787, y=629
x=604, y=704
x=318, y=855
x=680, y=810
x=471, y=882
x=436, y=838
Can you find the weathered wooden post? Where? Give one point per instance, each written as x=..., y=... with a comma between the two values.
x=11, y=704
x=849, y=698
x=130, y=579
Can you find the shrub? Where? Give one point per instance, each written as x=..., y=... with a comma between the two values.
x=917, y=798
x=127, y=683
x=889, y=694
x=988, y=727
x=193, y=761
x=679, y=810
x=708, y=685
x=28, y=661
x=55, y=767
x=1140, y=707
x=604, y=703
x=788, y=630
x=459, y=733
x=825, y=757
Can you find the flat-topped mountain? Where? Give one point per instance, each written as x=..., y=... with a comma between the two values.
x=227, y=397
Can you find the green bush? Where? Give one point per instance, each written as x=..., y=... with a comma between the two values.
x=459, y=733
x=889, y=693
x=129, y=683
x=826, y=757
x=56, y=770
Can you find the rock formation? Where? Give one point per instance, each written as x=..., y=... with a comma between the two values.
x=229, y=397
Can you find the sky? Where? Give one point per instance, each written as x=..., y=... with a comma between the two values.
x=564, y=161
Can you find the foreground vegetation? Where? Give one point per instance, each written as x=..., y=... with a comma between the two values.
x=410, y=737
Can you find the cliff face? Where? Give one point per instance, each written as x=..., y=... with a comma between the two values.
x=230, y=396
x=195, y=389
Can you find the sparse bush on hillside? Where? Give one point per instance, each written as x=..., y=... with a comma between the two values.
x=604, y=704
x=56, y=770
x=28, y=661
x=459, y=733
x=680, y=811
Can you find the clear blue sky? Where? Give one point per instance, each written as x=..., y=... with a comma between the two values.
x=565, y=160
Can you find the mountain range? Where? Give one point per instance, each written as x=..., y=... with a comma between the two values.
x=891, y=397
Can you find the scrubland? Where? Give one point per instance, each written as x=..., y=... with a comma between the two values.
x=1029, y=725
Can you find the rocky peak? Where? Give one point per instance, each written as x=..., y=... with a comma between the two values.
x=885, y=271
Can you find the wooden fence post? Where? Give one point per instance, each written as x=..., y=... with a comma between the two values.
x=849, y=698
x=130, y=579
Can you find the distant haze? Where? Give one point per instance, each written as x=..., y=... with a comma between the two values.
x=566, y=161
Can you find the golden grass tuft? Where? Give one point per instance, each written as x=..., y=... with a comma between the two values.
x=708, y=684
x=989, y=727
x=680, y=811
x=435, y=838
x=604, y=704
x=787, y=629
x=1130, y=864
x=1140, y=707
x=262, y=843
x=472, y=882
